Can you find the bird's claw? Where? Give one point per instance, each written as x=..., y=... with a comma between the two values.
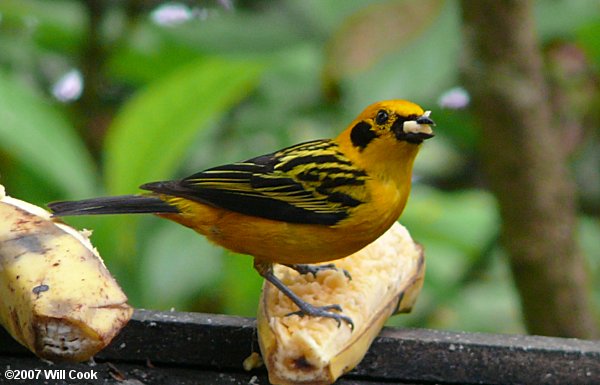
x=326, y=312
x=314, y=269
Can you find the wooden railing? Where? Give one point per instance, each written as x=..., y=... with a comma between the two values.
x=191, y=348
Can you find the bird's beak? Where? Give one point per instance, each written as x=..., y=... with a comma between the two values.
x=425, y=119
x=419, y=129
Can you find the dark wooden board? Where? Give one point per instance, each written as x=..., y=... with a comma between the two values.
x=190, y=348
x=125, y=373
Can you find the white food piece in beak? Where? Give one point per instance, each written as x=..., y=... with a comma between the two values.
x=412, y=127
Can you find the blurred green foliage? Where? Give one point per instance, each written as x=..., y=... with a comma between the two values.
x=244, y=78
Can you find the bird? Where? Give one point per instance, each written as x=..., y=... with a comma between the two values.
x=309, y=203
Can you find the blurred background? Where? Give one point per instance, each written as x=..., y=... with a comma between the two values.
x=100, y=96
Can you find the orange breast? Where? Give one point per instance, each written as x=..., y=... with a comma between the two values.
x=281, y=242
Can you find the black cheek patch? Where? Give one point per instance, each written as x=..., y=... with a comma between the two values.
x=398, y=128
x=361, y=135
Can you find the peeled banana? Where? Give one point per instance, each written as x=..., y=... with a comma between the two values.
x=56, y=296
x=387, y=276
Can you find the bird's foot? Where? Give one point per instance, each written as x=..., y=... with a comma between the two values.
x=266, y=270
x=306, y=309
x=314, y=269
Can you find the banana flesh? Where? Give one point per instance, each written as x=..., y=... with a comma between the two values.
x=387, y=277
x=56, y=296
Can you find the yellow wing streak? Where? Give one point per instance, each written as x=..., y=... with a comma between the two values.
x=302, y=183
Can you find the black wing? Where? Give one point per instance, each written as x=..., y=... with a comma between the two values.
x=311, y=183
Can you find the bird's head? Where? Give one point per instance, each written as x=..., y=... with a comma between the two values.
x=400, y=120
x=385, y=138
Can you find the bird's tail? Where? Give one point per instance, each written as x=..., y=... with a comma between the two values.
x=124, y=204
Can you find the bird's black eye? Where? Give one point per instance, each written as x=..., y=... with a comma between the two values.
x=381, y=117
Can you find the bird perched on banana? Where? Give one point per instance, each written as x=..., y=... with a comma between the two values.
x=312, y=202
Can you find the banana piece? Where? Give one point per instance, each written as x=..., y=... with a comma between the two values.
x=387, y=277
x=56, y=296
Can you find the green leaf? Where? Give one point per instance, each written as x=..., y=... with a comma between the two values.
x=489, y=304
x=417, y=63
x=359, y=43
x=241, y=285
x=58, y=24
x=589, y=38
x=561, y=18
x=36, y=134
x=456, y=229
x=148, y=53
x=465, y=220
x=173, y=276
x=152, y=133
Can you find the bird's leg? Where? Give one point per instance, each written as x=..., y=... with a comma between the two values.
x=265, y=269
x=314, y=269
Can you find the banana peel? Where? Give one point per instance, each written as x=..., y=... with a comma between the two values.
x=387, y=276
x=56, y=296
